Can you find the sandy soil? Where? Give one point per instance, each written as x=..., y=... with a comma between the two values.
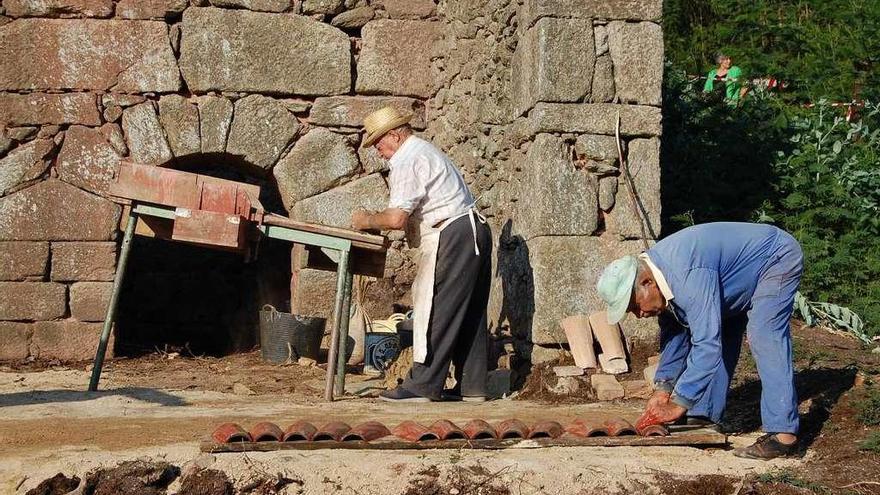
x=158, y=409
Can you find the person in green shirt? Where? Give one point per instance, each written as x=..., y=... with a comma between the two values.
x=729, y=74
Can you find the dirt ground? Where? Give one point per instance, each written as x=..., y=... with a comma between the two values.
x=141, y=434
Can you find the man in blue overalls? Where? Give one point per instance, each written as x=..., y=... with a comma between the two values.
x=710, y=284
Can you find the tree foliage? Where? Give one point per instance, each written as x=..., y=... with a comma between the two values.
x=827, y=48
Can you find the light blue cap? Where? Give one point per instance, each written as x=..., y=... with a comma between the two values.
x=615, y=286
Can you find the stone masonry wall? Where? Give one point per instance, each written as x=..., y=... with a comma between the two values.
x=521, y=93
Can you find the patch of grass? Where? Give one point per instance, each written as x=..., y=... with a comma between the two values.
x=789, y=477
x=869, y=407
x=872, y=443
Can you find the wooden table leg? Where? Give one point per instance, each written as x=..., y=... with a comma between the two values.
x=114, y=299
x=338, y=318
x=343, y=328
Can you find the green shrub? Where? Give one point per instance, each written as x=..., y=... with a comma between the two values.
x=869, y=408
x=789, y=477
x=871, y=443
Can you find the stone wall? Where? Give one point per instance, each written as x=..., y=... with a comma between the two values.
x=522, y=94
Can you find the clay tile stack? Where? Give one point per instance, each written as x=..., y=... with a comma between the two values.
x=440, y=430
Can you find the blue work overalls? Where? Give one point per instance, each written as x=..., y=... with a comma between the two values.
x=727, y=279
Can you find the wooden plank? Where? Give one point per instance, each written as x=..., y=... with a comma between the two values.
x=364, y=262
x=701, y=437
x=357, y=238
x=210, y=228
x=156, y=185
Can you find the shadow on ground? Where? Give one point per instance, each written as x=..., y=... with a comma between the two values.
x=50, y=396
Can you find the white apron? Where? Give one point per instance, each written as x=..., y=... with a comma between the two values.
x=423, y=285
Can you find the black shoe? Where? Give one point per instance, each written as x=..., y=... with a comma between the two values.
x=450, y=396
x=766, y=447
x=401, y=394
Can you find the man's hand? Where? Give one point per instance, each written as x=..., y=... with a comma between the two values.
x=660, y=410
x=360, y=220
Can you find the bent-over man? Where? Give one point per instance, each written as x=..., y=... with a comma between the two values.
x=430, y=200
x=710, y=284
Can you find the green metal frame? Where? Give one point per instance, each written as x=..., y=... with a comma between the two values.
x=342, y=307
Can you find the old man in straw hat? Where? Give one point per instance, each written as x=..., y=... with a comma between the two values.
x=430, y=200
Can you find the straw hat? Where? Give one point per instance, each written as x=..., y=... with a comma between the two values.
x=378, y=123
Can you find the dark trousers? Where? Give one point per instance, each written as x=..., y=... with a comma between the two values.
x=457, y=330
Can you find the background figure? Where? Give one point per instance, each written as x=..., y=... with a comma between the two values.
x=731, y=75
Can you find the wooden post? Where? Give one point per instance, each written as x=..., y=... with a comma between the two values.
x=335, y=345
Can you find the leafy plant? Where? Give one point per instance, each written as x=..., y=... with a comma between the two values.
x=869, y=408
x=831, y=314
x=871, y=443
x=789, y=477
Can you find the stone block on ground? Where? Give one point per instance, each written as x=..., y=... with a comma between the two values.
x=554, y=62
x=124, y=56
x=67, y=340
x=89, y=300
x=350, y=111
x=87, y=160
x=239, y=50
x=644, y=166
x=180, y=119
x=54, y=210
x=637, y=52
x=23, y=260
x=261, y=130
x=637, y=389
x=25, y=164
x=649, y=373
x=566, y=385
x=32, y=300
x=334, y=207
x=149, y=9
x=258, y=5
x=606, y=387
x=59, y=8
x=146, y=140
x=389, y=65
x=215, y=118
x=568, y=370
x=561, y=200
x=45, y=108
x=595, y=118
x=15, y=340
x=83, y=261
x=319, y=161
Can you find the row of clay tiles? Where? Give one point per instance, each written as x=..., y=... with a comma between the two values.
x=477, y=429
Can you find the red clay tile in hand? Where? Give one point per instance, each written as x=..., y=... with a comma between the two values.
x=654, y=431
x=586, y=429
x=266, y=432
x=301, y=431
x=512, y=428
x=366, y=432
x=333, y=431
x=413, y=432
x=230, y=433
x=619, y=427
x=546, y=429
x=477, y=429
x=447, y=430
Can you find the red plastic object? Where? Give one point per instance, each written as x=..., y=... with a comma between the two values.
x=619, y=427
x=301, y=431
x=654, y=431
x=546, y=429
x=366, y=432
x=586, y=429
x=477, y=429
x=333, y=431
x=414, y=432
x=266, y=432
x=447, y=430
x=512, y=428
x=231, y=433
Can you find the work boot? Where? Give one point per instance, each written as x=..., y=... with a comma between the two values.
x=452, y=396
x=765, y=448
x=401, y=394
